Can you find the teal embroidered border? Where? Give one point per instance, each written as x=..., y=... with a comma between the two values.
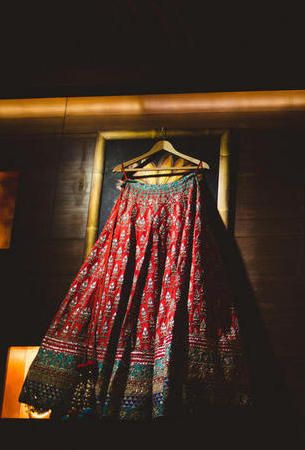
x=174, y=185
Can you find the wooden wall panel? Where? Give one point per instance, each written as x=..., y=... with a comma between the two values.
x=269, y=231
x=73, y=189
x=49, y=228
x=269, y=256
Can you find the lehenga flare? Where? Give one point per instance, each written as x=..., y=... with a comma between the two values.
x=148, y=327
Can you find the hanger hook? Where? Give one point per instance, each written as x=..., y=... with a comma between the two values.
x=163, y=132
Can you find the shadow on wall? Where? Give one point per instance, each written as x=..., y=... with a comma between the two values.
x=274, y=414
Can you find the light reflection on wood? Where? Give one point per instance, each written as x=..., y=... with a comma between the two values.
x=8, y=191
x=18, y=362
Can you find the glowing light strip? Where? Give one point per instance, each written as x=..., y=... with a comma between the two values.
x=219, y=102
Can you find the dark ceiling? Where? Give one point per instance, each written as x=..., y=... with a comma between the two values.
x=147, y=46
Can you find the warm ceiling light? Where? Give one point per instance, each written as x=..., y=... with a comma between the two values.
x=213, y=102
x=225, y=102
x=32, y=108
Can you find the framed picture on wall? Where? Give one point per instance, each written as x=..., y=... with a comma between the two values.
x=114, y=147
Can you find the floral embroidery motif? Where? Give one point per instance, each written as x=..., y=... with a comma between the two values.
x=152, y=293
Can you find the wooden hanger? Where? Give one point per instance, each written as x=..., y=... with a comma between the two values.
x=157, y=147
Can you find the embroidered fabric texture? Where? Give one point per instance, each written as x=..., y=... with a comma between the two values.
x=151, y=307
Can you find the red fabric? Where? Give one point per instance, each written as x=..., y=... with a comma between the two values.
x=153, y=306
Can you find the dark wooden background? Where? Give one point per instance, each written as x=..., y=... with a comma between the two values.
x=48, y=244
x=169, y=46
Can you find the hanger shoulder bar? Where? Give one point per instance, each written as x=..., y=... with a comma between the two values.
x=158, y=146
x=164, y=168
x=132, y=161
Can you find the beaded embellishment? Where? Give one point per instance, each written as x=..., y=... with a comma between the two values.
x=149, y=326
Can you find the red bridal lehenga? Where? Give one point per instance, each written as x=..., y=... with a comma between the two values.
x=148, y=327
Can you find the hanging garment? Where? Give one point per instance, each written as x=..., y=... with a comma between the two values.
x=148, y=327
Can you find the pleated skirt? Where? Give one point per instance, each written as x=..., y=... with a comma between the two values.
x=149, y=327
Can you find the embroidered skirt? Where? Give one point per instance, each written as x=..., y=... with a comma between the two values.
x=148, y=327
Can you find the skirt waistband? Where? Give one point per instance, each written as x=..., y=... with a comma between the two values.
x=138, y=185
